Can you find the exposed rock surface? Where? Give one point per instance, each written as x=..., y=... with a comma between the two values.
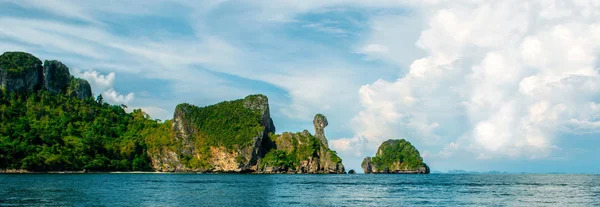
x=352, y=172
x=56, y=76
x=246, y=142
x=199, y=152
x=395, y=157
x=22, y=72
x=184, y=128
x=167, y=161
x=79, y=88
x=320, y=122
x=303, y=153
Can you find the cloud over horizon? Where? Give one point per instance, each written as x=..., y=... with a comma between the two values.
x=500, y=79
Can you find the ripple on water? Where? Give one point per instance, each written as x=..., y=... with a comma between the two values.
x=299, y=190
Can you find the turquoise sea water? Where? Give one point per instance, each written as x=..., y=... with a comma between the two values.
x=297, y=190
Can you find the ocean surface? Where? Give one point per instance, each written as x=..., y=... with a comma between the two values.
x=298, y=190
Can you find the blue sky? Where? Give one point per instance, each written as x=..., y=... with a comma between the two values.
x=475, y=85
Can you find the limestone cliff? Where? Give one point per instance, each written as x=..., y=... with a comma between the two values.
x=79, y=88
x=23, y=73
x=395, y=157
x=238, y=137
x=302, y=152
x=56, y=76
x=20, y=72
x=320, y=122
x=225, y=137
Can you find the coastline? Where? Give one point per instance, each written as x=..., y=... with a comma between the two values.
x=20, y=171
x=15, y=171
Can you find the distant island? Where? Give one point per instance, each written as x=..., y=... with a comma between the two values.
x=51, y=122
x=395, y=157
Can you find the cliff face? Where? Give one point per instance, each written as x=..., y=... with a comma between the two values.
x=56, y=76
x=226, y=137
x=238, y=136
x=22, y=72
x=302, y=153
x=79, y=88
x=320, y=122
x=395, y=157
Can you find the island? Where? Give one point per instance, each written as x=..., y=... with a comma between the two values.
x=395, y=157
x=52, y=122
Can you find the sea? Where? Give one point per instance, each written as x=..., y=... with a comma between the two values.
x=299, y=190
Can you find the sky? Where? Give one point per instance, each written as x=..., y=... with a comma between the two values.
x=479, y=85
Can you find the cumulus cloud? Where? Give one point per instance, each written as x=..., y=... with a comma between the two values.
x=114, y=97
x=500, y=79
x=98, y=81
x=103, y=84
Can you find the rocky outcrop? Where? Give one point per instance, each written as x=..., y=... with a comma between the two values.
x=367, y=165
x=395, y=157
x=167, y=161
x=238, y=137
x=22, y=72
x=56, y=76
x=320, y=122
x=210, y=139
x=183, y=126
x=352, y=172
x=79, y=88
x=302, y=153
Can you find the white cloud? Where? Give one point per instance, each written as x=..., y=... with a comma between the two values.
x=98, y=81
x=314, y=90
x=393, y=39
x=499, y=80
x=104, y=84
x=113, y=97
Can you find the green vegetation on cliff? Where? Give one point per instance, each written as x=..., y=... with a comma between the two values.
x=18, y=62
x=228, y=124
x=237, y=126
x=397, y=154
x=58, y=76
x=59, y=126
x=293, y=148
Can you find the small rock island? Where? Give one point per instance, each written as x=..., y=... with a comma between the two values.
x=395, y=157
